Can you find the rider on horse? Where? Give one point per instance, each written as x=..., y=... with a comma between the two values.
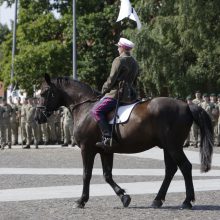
x=119, y=85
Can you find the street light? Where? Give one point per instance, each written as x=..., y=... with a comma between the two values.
x=14, y=40
x=74, y=41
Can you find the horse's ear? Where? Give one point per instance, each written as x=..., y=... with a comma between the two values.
x=47, y=79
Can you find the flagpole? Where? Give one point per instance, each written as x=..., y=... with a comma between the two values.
x=74, y=41
x=14, y=42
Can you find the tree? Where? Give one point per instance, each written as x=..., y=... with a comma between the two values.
x=44, y=43
x=178, y=48
x=41, y=46
x=4, y=31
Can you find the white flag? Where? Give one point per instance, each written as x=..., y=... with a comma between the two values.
x=126, y=11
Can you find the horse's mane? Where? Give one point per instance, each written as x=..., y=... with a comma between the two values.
x=68, y=82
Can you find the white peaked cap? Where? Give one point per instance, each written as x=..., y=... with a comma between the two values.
x=125, y=43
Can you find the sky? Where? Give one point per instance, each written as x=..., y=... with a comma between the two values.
x=6, y=15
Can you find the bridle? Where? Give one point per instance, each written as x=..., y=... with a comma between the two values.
x=43, y=108
x=72, y=107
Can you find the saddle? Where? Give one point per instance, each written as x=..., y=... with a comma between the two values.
x=123, y=113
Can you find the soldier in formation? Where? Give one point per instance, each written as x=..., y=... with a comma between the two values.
x=18, y=125
x=211, y=104
x=5, y=125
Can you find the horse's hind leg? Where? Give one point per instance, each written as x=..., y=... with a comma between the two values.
x=170, y=170
x=107, y=164
x=186, y=168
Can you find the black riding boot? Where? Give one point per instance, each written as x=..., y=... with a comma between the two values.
x=107, y=141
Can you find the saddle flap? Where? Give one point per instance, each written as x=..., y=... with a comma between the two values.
x=123, y=113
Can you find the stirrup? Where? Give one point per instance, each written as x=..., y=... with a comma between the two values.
x=107, y=142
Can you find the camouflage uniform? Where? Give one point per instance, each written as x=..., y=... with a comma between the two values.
x=58, y=127
x=44, y=133
x=2, y=129
x=188, y=140
x=5, y=124
x=214, y=116
x=32, y=127
x=195, y=129
x=218, y=134
x=52, y=128
x=14, y=123
x=67, y=127
x=23, y=120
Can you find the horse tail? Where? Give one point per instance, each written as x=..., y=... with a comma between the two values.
x=203, y=120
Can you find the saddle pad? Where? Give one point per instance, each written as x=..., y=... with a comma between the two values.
x=123, y=113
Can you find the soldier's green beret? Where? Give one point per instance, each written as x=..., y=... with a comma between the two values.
x=197, y=91
x=205, y=95
x=212, y=94
x=218, y=95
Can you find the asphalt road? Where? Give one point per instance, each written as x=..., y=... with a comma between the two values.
x=44, y=183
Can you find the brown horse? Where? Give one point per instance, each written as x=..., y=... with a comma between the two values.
x=163, y=122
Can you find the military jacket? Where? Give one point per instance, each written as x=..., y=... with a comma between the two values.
x=197, y=101
x=124, y=68
x=22, y=113
x=30, y=113
x=14, y=113
x=7, y=110
x=67, y=117
x=207, y=107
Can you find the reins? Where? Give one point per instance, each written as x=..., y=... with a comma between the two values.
x=74, y=106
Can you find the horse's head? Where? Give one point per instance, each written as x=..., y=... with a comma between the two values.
x=50, y=100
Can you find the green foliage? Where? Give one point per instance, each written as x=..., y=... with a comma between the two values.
x=178, y=48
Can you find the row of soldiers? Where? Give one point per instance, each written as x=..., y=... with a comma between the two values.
x=211, y=104
x=18, y=124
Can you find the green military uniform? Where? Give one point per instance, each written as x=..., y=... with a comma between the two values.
x=58, y=127
x=22, y=121
x=67, y=127
x=188, y=140
x=218, y=128
x=14, y=123
x=214, y=116
x=52, y=128
x=44, y=135
x=32, y=127
x=2, y=129
x=5, y=124
x=207, y=107
x=124, y=68
x=195, y=129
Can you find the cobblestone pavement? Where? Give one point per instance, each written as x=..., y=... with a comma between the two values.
x=44, y=183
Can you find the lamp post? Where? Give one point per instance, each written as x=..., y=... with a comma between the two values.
x=14, y=41
x=74, y=41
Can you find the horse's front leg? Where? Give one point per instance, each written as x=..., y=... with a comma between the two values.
x=107, y=164
x=88, y=161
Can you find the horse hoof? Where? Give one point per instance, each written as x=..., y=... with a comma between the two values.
x=126, y=199
x=156, y=204
x=186, y=205
x=78, y=205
